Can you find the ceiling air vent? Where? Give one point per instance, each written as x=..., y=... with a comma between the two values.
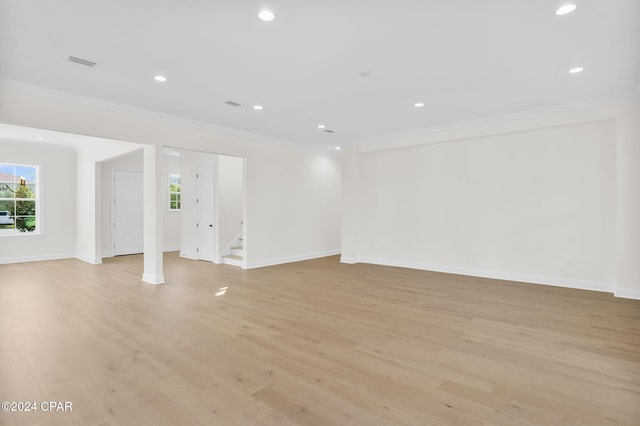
x=81, y=61
x=233, y=104
x=329, y=131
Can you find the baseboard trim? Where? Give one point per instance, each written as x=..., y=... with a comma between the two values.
x=497, y=275
x=39, y=258
x=627, y=293
x=349, y=260
x=290, y=259
x=153, y=279
x=96, y=261
x=188, y=256
x=164, y=250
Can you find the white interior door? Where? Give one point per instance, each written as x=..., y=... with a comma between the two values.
x=127, y=213
x=204, y=213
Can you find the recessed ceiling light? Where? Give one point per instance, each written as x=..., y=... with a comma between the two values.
x=576, y=70
x=257, y=107
x=40, y=138
x=321, y=126
x=338, y=148
x=266, y=15
x=566, y=9
x=418, y=104
x=160, y=78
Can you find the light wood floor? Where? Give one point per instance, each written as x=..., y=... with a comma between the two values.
x=316, y=343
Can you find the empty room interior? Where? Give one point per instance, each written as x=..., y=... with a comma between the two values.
x=320, y=213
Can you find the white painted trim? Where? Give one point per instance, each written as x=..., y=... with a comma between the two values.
x=153, y=279
x=39, y=258
x=627, y=293
x=17, y=235
x=377, y=142
x=233, y=262
x=96, y=261
x=188, y=256
x=166, y=249
x=289, y=259
x=498, y=275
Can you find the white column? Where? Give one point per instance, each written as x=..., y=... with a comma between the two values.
x=628, y=202
x=350, y=207
x=154, y=205
x=87, y=209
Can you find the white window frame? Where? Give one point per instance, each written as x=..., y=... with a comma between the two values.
x=178, y=193
x=15, y=232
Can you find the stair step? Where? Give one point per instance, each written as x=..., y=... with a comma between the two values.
x=233, y=260
x=237, y=248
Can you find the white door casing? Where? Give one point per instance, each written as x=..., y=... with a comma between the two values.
x=128, y=237
x=205, y=213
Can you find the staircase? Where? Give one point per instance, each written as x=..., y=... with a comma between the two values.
x=234, y=253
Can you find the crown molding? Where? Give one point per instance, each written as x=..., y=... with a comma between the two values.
x=372, y=143
x=144, y=113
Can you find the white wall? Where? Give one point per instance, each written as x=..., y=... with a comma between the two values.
x=57, y=203
x=296, y=193
x=290, y=215
x=89, y=206
x=535, y=206
x=229, y=198
x=131, y=162
x=134, y=162
x=582, y=231
x=628, y=207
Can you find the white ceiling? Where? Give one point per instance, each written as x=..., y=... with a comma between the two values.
x=465, y=59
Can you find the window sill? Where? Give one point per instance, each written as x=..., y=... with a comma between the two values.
x=8, y=235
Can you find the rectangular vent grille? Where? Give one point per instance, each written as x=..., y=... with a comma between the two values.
x=233, y=104
x=329, y=131
x=81, y=61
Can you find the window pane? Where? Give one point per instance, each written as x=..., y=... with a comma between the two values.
x=26, y=191
x=7, y=220
x=18, y=210
x=6, y=170
x=26, y=224
x=7, y=206
x=174, y=183
x=174, y=192
x=5, y=193
x=28, y=172
x=25, y=208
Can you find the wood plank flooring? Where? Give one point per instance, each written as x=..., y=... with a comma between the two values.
x=310, y=343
